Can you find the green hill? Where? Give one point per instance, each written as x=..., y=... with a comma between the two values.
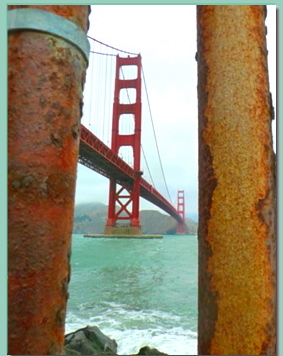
x=90, y=218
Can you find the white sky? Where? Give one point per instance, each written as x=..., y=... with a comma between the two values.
x=167, y=44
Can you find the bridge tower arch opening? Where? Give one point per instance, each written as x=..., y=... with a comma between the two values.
x=126, y=124
x=124, y=198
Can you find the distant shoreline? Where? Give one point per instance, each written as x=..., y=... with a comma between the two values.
x=90, y=218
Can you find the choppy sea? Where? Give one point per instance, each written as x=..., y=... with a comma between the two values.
x=138, y=292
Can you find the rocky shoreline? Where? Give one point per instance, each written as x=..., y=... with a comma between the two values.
x=90, y=340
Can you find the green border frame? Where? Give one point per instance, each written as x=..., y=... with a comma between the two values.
x=3, y=135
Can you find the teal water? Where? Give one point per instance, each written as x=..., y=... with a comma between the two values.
x=138, y=292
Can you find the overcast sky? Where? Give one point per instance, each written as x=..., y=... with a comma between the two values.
x=165, y=36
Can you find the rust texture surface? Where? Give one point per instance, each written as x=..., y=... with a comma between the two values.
x=237, y=255
x=45, y=81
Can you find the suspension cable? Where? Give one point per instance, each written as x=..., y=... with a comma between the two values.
x=116, y=49
x=105, y=96
x=144, y=156
x=155, y=137
x=104, y=54
x=91, y=65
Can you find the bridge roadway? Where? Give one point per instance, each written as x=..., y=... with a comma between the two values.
x=97, y=156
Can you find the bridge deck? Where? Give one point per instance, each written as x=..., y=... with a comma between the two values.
x=97, y=156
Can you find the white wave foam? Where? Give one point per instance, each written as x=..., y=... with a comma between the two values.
x=133, y=329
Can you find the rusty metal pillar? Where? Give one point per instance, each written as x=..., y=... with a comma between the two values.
x=237, y=253
x=47, y=62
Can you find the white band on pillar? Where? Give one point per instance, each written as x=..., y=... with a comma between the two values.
x=44, y=21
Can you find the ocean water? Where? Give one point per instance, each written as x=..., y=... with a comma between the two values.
x=138, y=292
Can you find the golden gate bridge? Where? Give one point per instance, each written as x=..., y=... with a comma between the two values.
x=126, y=182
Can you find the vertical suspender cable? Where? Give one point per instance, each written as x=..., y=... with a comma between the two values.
x=155, y=137
x=91, y=69
x=104, y=101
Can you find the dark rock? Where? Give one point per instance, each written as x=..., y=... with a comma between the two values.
x=146, y=350
x=89, y=341
x=68, y=351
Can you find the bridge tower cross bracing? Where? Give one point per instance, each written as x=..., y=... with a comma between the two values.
x=124, y=200
x=181, y=227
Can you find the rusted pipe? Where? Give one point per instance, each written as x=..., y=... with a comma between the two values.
x=237, y=258
x=46, y=74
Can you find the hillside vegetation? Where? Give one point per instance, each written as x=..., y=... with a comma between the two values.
x=90, y=218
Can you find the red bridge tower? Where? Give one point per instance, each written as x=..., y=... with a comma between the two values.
x=124, y=200
x=181, y=227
